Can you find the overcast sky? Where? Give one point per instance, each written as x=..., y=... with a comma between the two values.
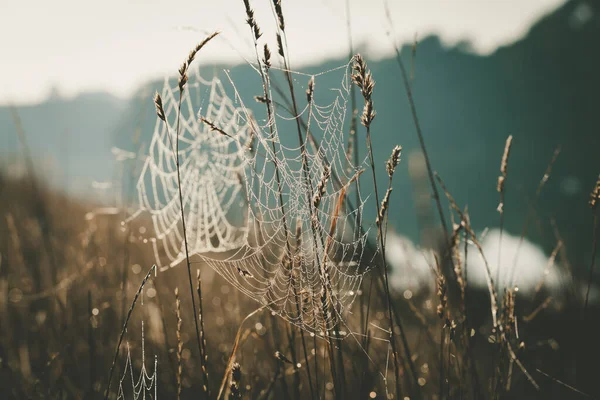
x=116, y=45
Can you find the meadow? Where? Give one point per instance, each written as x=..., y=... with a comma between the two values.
x=246, y=258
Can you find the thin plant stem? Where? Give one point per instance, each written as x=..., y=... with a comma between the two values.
x=264, y=73
x=415, y=118
x=124, y=329
x=283, y=51
x=384, y=265
x=187, y=254
x=593, y=261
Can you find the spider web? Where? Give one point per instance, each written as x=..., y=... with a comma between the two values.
x=249, y=189
x=145, y=384
x=210, y=168
x=306, y=261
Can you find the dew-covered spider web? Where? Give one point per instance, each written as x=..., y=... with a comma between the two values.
x=273, y=190
x=210, y=170
x=143, y=386
x=305, y=255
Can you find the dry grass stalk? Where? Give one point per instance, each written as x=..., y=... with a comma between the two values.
x=508, y=312
x=503, y=173
x=279, y=13
x=458, y=270
x=542, y=306
x=465, y=221
x=549, y=266
x=310, y=92
x=235, y=391
x=321, y=187
x=182, y=82
x=266, y=57
x=443, y=314
x=281, y=357
x=280, y=45
x=204, y=354
x=393, y=161
x=363, y=79
x=215, y=128
x=352, y=149
x=384, y=206
x=160, y=112
x=516, y=360
x=179, y=342
x=416, y=122
x=441, y=291
x=251, y=21
x=500, y=188
x=595, y=194
x=191, y=57
x=594, y=198
x=327, y=290
x=565, y=385
x=548, y=170
x=236, y=344
x=264, y=72
x=528, y=216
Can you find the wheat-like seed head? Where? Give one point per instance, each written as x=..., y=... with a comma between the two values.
x=279, y=13
x=160, y=112
x=322, y=186
x=199, y=46
x=310, y=92
x=250, y=20
x=266, y=57
x=279, y=45
x=364, y=80
x=595, y=195
x=441, y=291
x=235, y=383
x=385, y=203
x=179, y=342
x=393, y=161
x=183, y=78
x=504, y=165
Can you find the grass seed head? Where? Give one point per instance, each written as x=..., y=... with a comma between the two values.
x=236, y=380
x=279, y=13
x=160, y=112
x=394, y=160
x=595, y=195
x=310, y=92
x=362, y=77
x=279, y=45
x=251, y=21
x=322, y=186
x=266, y=57
x=385, y=203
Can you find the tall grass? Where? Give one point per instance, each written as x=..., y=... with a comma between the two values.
x=439, y=343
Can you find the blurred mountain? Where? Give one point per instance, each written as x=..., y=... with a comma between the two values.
x=69, y=139
x=542, y=90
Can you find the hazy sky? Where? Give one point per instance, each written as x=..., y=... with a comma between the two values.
x=116, y=45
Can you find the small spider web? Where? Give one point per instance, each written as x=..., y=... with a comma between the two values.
x=145, y=385
x=211, y=168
